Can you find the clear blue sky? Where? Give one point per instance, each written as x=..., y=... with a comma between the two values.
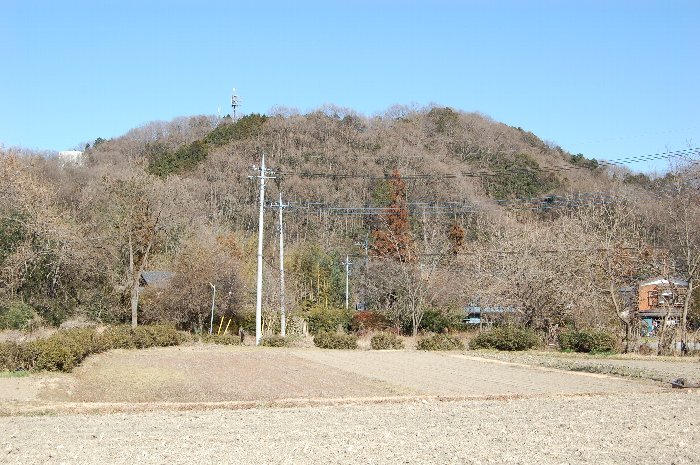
x=606, y=78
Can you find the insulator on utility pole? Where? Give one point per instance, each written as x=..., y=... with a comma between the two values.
x=283, y=314
x=263, y=174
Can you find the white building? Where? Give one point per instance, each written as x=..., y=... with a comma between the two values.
x=72, y=157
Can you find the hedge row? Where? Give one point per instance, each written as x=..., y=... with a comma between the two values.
x=506, y=338
x=335, y=341
x=66, y=349
x=587, y=341
x=440, y=342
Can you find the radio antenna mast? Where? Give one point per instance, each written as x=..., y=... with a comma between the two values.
x=235, y=101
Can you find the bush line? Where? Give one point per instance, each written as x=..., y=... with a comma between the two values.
x=66, y=349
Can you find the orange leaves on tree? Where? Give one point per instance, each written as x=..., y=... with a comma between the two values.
x=392, y=233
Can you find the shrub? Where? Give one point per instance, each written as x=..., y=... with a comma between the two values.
x=386, y=341
x=587, y=341
x=224, y=339
x=66, y=349
x=335, y=341
x=328, y=320
x=440, y=342
x=505, y=338
x=117, y=337
x=369, y=321
x=12, y=356
x=62, y=351
x=275, y=341
x=155, y=336
x=16, y=315
x=437, y=321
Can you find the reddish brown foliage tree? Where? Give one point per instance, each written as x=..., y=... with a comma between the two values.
x=392, y=233
x=456, y=236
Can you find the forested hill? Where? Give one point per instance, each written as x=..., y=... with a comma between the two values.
x=336, y=157
x=176, y=196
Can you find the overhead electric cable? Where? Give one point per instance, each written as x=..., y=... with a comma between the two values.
x=620, y=162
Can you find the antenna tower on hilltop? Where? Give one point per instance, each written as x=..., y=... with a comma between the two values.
x=235, y=101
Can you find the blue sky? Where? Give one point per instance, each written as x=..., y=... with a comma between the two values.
x=609, y=79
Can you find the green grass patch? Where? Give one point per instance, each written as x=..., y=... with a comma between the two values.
x=14, y=374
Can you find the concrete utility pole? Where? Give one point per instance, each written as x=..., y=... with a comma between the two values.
x=347, y=264
x=263, y=175
x=365, y=245
x=213, y=299
x=283, y=314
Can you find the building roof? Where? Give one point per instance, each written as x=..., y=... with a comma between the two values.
x=492, y=309
x=156, y=278
x=664, y=282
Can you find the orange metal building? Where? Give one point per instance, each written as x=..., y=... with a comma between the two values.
x=659, y=295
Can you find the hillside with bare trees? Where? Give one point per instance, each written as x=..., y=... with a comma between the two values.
x=437, y=209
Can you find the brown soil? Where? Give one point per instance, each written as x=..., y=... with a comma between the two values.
x=664, y=369
x=219, y=404
x=209, y=373
x=608, y=429
x=206, y=373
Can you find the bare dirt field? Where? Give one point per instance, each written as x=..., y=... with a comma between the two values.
x=217, y=404
x=654, y=368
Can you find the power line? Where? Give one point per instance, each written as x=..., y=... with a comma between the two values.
x=451, y=208
x=515, y=252
x=620, y=162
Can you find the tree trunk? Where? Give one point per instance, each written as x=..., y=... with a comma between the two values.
x=628, y=336
x=684, y=317
x=133, y=282
x=136, y=276
x=134, y=303
x=665, y=340
x=626, y=322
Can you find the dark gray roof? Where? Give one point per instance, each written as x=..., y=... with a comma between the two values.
x=490, y=309
x=156, y=278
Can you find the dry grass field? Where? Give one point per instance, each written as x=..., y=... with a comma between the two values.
x=215, y=404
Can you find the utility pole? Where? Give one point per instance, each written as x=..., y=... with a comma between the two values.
x=365, y=245
x=283, y=314
x=347, y=264
x=213, y=299
x=263, y=175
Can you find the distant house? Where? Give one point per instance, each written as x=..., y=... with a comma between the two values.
x=659, y=297
x=155, y=279
x=475, y=314
x=71, y=157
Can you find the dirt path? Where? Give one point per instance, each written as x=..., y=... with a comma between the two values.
x=659, y=428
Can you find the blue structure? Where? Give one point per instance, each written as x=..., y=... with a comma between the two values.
x=475, y=314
